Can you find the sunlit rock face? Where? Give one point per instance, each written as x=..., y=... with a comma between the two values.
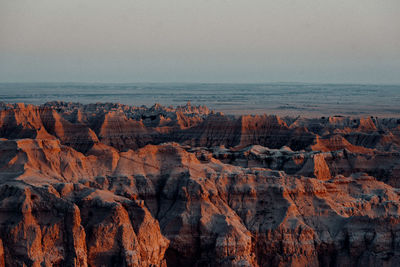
x=115, y=185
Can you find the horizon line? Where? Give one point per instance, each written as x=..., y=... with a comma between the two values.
x=201, y=82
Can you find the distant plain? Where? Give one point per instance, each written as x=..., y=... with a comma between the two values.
x=284, y=99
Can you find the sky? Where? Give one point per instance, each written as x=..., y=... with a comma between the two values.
x=234, y=41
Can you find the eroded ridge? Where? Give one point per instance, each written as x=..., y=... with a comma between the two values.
x=115, y=185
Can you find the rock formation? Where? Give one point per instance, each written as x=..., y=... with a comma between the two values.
x=115, y=185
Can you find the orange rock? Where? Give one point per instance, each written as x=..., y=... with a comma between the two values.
x=113, y=185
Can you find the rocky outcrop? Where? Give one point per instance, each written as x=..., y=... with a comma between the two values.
x=113, y=185
x=73, y=225
x=125, y=127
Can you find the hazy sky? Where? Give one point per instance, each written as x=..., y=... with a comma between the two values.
x=200, y=40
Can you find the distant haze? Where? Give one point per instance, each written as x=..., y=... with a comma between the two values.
x=200, y=41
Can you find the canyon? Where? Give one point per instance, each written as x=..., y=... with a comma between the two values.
x=107, y=184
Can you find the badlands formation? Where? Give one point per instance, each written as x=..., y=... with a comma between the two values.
x=115, y=185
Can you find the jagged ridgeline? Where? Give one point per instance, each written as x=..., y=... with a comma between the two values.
x=116, y=185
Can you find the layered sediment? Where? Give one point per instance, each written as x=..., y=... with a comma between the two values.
x=113, y=185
